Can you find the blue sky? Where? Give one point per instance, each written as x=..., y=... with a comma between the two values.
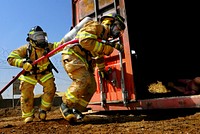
x=17, y=17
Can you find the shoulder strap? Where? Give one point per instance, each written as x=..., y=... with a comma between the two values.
x=46, y=51
x=28, y=51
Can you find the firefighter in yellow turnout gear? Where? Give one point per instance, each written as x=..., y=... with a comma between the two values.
x=80, y=59
x=39, y=73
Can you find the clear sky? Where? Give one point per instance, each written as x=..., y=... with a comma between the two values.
x=17, y=17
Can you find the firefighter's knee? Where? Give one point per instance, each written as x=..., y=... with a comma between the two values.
x=49, y=85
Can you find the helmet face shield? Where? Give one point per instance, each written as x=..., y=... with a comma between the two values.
x=40, y=38
x=36, y=36
x=116, y=23
x=120, y=24
x=117, y=29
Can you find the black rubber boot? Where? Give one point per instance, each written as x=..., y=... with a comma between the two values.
x=65, y=110
x=78, y=114
x=67, y=113
x=42, y=115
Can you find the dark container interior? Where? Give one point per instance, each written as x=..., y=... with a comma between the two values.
x=165, y=36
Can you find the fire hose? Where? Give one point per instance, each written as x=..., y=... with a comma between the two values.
x=68, y=38
x=103, y=97
x=38, y=60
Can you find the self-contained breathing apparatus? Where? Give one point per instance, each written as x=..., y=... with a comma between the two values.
x=39, y=38
x=35, y=68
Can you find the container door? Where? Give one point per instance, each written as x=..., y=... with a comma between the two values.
x=118, y=87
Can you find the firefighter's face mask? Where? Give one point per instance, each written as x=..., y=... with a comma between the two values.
x=40, y=39
x=116, y=29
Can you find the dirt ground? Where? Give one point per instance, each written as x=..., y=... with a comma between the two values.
x=184, y=121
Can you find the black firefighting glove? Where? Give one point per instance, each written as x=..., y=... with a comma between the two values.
x=101, y=70
x=103, y=74
x=117, y=46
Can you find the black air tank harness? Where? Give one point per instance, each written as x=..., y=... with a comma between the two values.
x=35, y=68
